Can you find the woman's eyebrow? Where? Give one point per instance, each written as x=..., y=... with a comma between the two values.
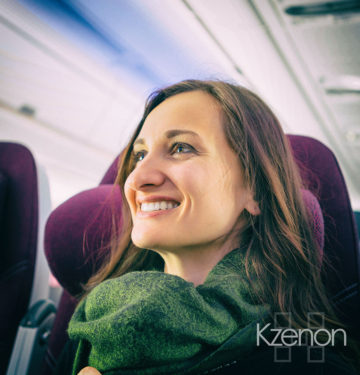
x=174, y=132
x=169, y=134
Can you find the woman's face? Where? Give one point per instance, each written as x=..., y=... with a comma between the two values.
x=186, y=190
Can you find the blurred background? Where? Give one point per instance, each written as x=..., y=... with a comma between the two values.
x=75, y=74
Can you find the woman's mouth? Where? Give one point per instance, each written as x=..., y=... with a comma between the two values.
x=149, y=209
x=156, y=206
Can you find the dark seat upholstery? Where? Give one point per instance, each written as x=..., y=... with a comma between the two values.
x=320, y=169
x=18, y=240
x=91, y=210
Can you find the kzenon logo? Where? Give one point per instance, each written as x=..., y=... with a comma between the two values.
x=315, y=339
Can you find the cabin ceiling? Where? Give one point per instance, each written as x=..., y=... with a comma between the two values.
x=76, y=73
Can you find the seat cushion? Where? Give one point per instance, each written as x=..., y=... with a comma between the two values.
x=78, y=233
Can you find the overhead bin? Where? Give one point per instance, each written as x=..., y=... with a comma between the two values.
x=322, y=7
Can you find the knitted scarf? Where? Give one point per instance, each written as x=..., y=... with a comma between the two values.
x=150, y=322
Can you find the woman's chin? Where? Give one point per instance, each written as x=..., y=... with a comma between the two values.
x=145, y=241
x=155, y=244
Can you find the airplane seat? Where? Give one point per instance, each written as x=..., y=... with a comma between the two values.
x=75, y=232
x=24, y=273
x=91, y=212
x=98, y=201
x=321, y=172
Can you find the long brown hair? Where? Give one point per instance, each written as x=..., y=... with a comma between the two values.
x=281, y=248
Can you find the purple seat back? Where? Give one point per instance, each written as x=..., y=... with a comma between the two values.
x=65, y=227
x=18, y=240
x=320, y=169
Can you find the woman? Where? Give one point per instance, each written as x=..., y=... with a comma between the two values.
x=216, y=241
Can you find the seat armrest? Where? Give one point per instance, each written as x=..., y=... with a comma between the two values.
x=31, y=339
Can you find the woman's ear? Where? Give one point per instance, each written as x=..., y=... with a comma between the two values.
x=252, y=207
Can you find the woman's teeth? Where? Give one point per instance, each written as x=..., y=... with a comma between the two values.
x=155, y=206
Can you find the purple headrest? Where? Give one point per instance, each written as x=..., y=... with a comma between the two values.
x=20, y=208
x=76, y=230
x=91, y=212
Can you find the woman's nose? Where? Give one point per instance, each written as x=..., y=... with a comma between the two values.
x=148, y=172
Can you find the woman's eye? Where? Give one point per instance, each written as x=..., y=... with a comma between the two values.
x=138, y=156
x=178, y=148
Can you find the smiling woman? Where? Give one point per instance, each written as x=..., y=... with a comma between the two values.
x=216, y=241
x=193, y=167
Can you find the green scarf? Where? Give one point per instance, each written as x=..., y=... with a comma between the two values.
x=150, y=322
